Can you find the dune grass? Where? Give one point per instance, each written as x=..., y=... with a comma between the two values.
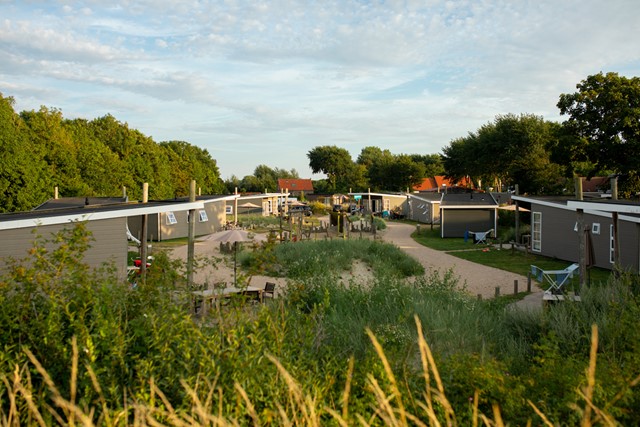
x=81, y=348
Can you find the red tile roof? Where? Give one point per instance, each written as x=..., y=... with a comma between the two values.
x=295, y=184
x=436, y=182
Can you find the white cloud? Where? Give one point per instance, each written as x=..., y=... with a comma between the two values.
x=264, y=82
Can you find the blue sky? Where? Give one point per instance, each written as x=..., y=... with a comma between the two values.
x=258, y=82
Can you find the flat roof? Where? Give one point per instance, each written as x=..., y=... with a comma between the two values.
x=468, y=200
x=9, y=221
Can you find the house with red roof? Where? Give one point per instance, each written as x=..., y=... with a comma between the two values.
x=440, y=183
x=295, y=187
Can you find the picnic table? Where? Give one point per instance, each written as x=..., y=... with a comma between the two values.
x=207, y=297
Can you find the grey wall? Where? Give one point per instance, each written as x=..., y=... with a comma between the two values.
x=109, y=244
x=455, y=222
x=560, y=240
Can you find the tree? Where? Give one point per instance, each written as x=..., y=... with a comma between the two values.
x=604, y=117
x=335, y=162
x=403, y=173
x=24, y=176
x=432, y=163
x=49, y=133
x=192, y=163
x=510, y=150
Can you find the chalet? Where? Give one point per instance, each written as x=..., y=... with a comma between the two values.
x=174, y=223
x=378, y=203
x=106, y=221
x=461, y=213
x=295, y=187
x=264, y=204
x=440, y=183
x=424, y=207
x=555, y=230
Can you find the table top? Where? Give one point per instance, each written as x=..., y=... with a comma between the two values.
x=226, y=291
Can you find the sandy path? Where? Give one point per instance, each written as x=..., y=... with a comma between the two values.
x=222, y=271
x=478, y=279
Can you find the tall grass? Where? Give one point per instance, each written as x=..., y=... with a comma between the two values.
x=318, y=258
x=81, y=348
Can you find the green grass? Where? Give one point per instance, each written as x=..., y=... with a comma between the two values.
x=321, y=258
x=515, y=261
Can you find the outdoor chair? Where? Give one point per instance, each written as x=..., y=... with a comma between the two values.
x=556, y=279
x=481, y=236
x=269, y=290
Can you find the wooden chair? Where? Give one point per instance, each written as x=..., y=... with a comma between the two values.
x=269, y=290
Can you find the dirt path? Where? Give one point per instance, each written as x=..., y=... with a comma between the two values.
x=476, y=278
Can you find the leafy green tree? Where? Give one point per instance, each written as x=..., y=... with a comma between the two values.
x=59, y=151
x=604, y=116
x=192, y=163
x=433, y=165
x=336, y=163
x=25, y=181
x=145, y=161
x=510, y=150
x=102, y=170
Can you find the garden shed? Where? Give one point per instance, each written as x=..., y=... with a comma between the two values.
x=424, y=207
x=462, y=213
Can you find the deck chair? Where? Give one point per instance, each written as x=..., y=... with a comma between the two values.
x=269, y=290
x=481, y=236
x=556, y=279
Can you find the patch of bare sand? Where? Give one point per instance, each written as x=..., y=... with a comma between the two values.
x=359, y=274
x=216, y=267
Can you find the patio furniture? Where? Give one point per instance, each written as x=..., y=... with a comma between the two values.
x=556, y=280
x=269, y=290
x=481, y=236
x=205, y=299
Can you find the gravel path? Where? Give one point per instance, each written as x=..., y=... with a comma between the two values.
x=477, y=279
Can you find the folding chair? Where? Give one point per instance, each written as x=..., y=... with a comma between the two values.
x=556, y=279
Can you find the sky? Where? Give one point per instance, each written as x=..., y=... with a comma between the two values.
x=264, y=82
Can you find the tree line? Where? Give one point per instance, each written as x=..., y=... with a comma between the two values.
x=600, y=137
x=40, y=150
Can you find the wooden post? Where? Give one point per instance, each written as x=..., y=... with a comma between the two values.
x=191, y=237
x=582, y=244
x=143, y=237
x=517, y=190
x=515, y=286
x=235, y=208
x=529, y=282
x=497, y=291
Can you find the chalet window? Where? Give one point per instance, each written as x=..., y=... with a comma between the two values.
x=612, y=246
x=203, y=216
x=171, y=218
x=229, y=210
x=595, y=228
x=536, y=232
x=270, y=206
